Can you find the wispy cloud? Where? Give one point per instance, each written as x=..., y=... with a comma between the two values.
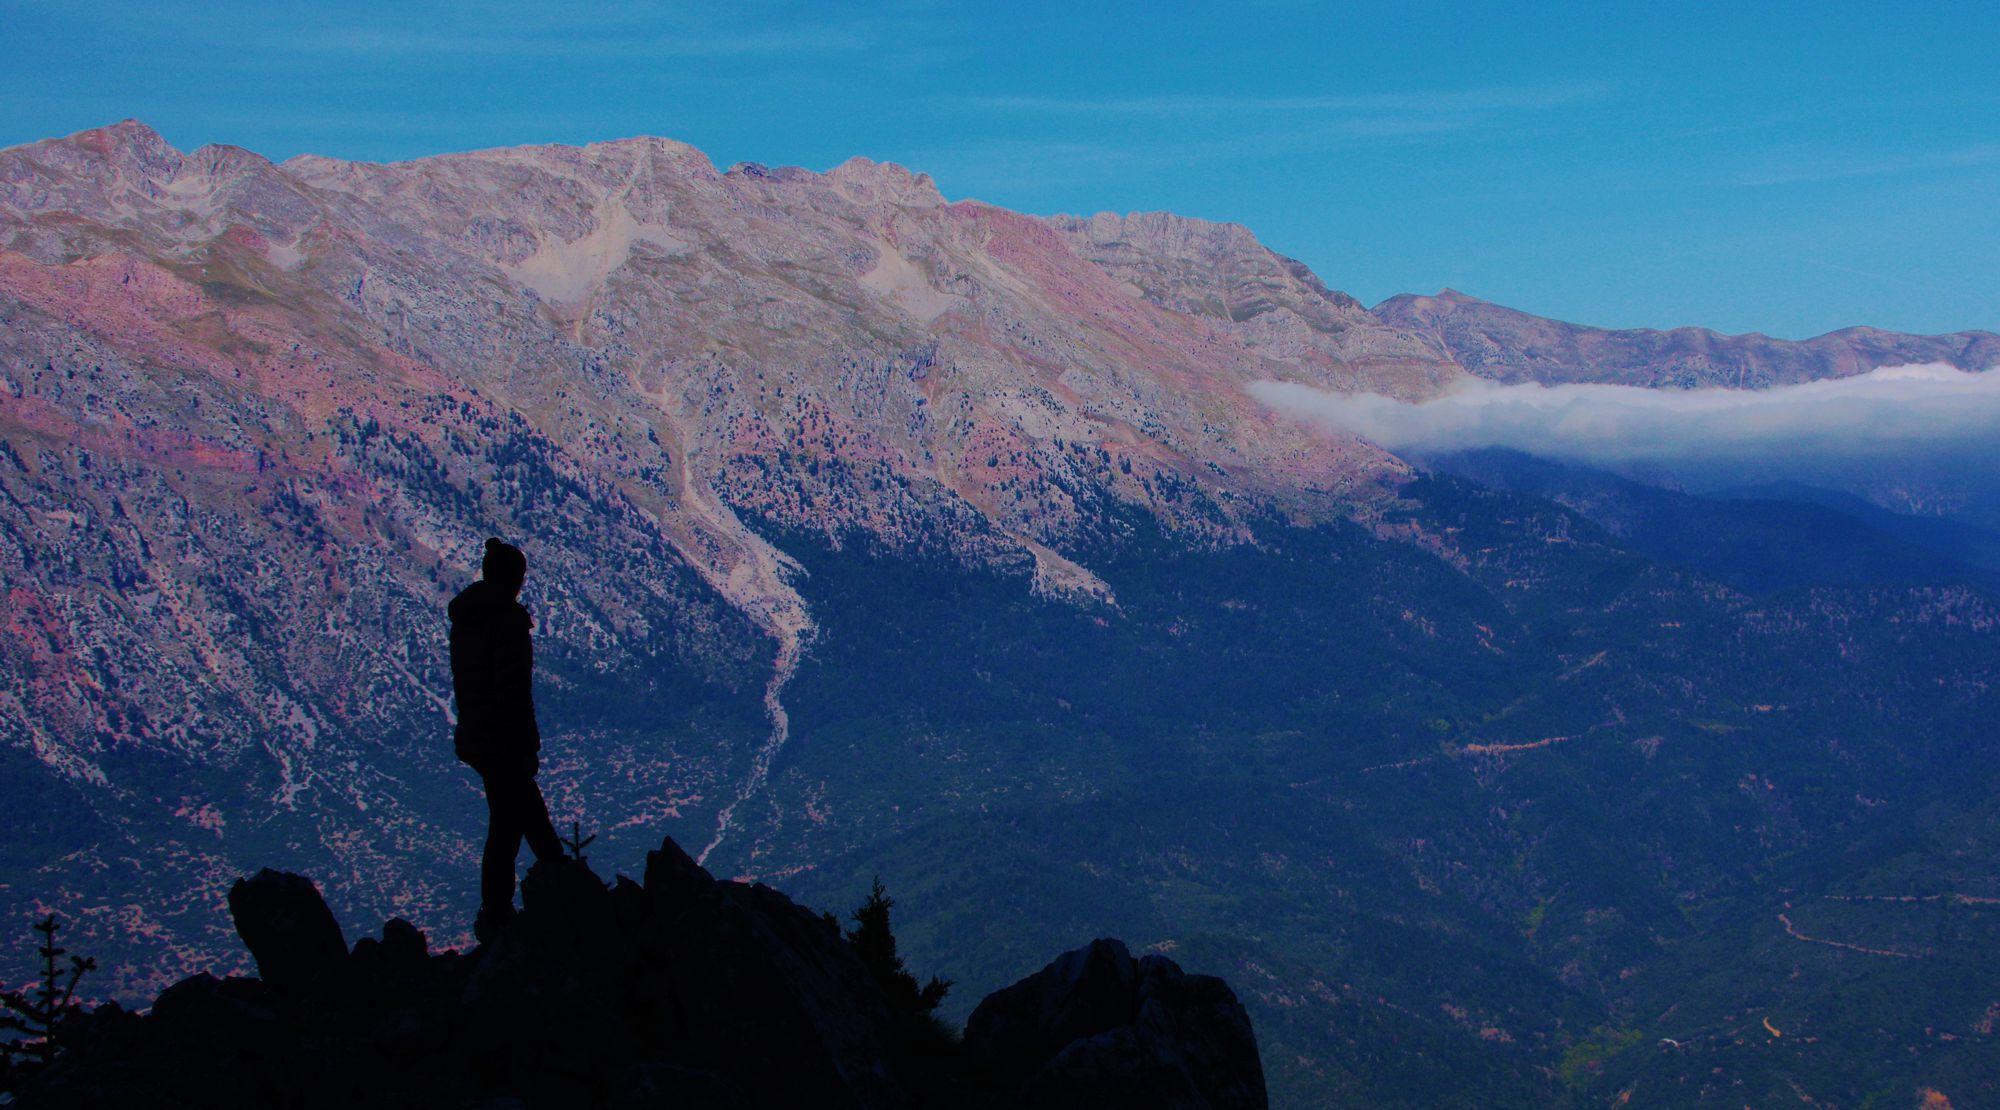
x=1436, y=102
x=1129, y=136
x=1070, y=140
x=603, y=30
x=1802, y=167
x=1887, y=411
x=598, y=44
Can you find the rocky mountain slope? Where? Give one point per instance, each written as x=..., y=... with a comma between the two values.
x=870, y=533
x=1507, y=345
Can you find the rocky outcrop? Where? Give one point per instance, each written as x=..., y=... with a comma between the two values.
x=1097, y=1028
x=680, y=990
x=1276, y=306
x=287, y=928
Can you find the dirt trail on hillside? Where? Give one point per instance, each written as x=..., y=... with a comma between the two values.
x=753, y=576
x=1792, y=931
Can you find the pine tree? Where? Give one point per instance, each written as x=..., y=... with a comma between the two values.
x=34, y=1014
x=876, y=945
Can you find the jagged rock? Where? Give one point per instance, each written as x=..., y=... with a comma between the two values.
x=671, y=868
x=815, y=1019
x=680, y=991
x=1097, y=1028
x=286, y=926
x=569, y=916
x=1083, y=992
x=403, y=947
x=1196, y=1023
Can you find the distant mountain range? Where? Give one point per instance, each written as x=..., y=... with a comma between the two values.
x=1507, y=345
x=871, y=533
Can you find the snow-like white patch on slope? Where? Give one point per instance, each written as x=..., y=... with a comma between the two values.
x=566, y=272
x=903, y=283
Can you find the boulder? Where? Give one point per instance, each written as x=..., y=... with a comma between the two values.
x=287, y=928
x=767, y=991
x=1196, y=1022
x=1082, y=993
x=1096, y=1028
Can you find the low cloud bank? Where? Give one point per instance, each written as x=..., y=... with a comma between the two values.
x=1889, y=411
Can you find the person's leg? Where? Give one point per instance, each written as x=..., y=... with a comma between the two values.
x=534, y=822
x=503, y=842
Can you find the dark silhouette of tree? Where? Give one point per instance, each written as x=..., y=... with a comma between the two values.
x=915, y=1006
x=35, y=1013
x=576, y=842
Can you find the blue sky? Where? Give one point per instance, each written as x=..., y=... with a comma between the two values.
x=1787, y=169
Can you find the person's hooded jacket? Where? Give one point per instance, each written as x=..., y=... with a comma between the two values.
x=492, y=676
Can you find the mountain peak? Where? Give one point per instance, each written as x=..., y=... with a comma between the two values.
x=127, y=142
x=864, y=179
x=125, y=130
x=137, y=153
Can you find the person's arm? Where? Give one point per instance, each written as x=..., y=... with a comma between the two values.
x=515, y=686
x=528, y=695
x=472, y=680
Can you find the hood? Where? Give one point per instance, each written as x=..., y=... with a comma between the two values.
x=482, y=601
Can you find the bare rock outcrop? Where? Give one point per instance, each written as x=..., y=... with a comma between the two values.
x=1097, y=1028
x=680, y=990
x=287, y=928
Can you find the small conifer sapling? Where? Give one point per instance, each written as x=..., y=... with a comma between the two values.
x=33, y=1014
x=576, y=842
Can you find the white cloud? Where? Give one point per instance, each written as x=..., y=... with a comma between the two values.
x=1884, y=412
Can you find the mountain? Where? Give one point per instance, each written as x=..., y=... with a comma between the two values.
x=1220, y=274
x=1507, y=345
x=874, y=534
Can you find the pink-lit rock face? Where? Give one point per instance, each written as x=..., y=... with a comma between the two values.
x=257, y=419
x=955, y=359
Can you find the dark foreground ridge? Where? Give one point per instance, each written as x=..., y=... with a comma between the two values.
x=683, y=991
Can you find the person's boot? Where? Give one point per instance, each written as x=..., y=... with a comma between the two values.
x=490, y=921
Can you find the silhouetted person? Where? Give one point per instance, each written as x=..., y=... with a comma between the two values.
x=492, y=674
